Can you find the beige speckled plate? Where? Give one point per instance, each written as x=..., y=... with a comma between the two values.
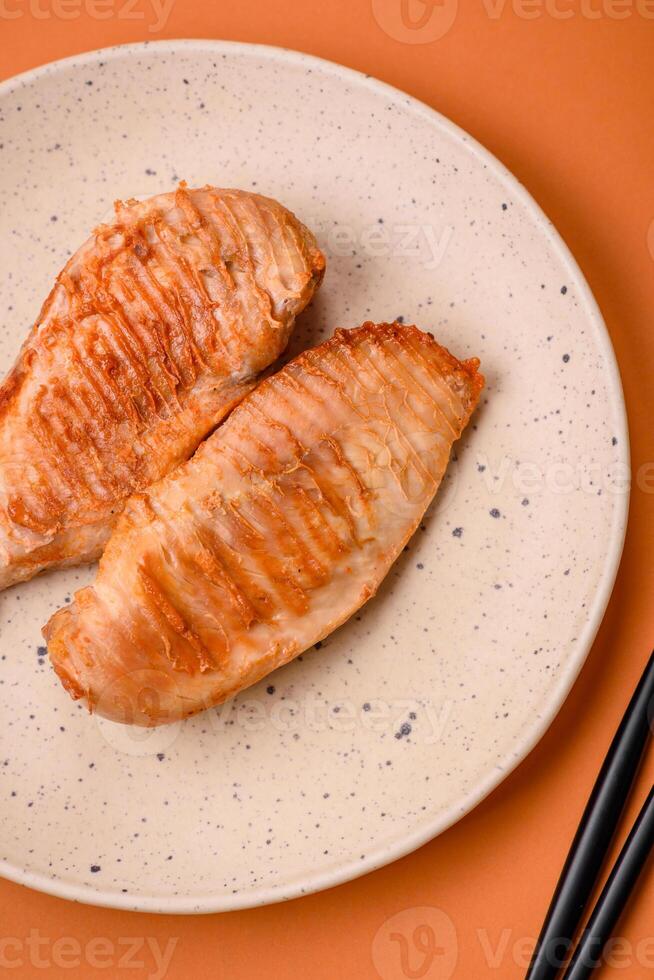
x=412, y=712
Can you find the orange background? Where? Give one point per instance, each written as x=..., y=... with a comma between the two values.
x=567, y=105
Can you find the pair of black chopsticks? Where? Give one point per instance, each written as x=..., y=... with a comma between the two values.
x=589, y=849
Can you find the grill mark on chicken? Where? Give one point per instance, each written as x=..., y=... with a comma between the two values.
x=316, y=534
x=414, y=385
x=304, y=570
x=191, y=655
x=397, y=423
x=169, y=314
x=241, y=587
x=213, y=569
x=293, y=401
x=285, y=590
x=321, y=530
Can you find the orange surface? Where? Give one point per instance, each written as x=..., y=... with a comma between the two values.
x=562, y=92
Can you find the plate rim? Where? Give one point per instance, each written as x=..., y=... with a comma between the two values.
x=384, y=853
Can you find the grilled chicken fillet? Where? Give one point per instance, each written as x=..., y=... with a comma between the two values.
x=279, y=528
x=154, y=330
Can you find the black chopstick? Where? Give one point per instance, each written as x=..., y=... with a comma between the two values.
x=595, y=833
x=615, y=895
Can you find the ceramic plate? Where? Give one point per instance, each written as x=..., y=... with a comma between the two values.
x=410, y=714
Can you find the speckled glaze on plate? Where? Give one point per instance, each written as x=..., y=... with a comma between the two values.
x=413, y=711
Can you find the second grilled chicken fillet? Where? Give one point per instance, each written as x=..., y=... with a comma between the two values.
x=281, y=526
x=154, y=330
